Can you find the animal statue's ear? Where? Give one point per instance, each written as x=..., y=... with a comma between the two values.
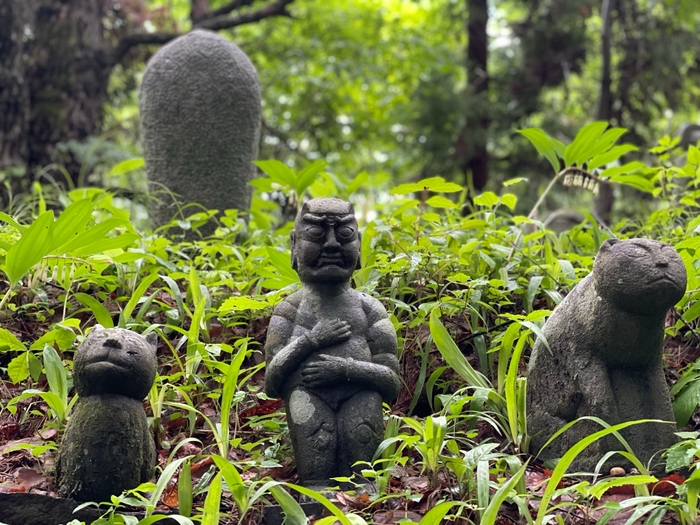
x=292, y=239
x=97, y=328
x=608, y=244
x=152, y=339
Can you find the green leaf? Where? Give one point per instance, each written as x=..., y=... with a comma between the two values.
x=8, y=341
x=452, y=355
x=438, y=201
x=230, y=384
x=491, y=512
x=603, y=486
x=29, y=249
x=435, y=515
x=70, y=223
x=488, y=199
x=603, y=144
x=510, y=200
x=18, y=368
x=278, y=172
x=5, y=217
x=293, y=513
x=128, y=165
x=582, y=147
x=434, y=184
x=135, y=298
x=625, y=168
x=101, y=313
x=543, y=144
x=184, y=489
x=239, y=304
x=686, y=402
x=57, y=337
x=307, y=176
x=233, y=481
x=610, y=156
x=56, y=374
x=212, y=502
x=636, y=181
x=86, y=242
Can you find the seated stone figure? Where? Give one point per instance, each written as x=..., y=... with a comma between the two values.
x=604, y=357
x=331, y=350
x=107, y=447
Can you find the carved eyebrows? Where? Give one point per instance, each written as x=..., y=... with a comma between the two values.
x=331, y=219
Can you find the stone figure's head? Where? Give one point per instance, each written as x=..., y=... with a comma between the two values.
x=641, y=276
x=115, y=361
x=325, y=241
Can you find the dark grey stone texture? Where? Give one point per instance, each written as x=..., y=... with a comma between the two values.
x=107, y=447
x=200, y=116
x=331, y=351
x=606, y=341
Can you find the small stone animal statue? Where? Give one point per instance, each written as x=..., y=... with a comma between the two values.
x=107, y=447
x=330, y=350
x=606, y=339
x=200, y=111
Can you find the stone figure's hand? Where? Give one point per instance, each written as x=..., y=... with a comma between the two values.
x=327, y=370
x=329, y=332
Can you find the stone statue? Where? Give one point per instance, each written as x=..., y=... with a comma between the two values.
x=107, y=447
x=606, y=339
x=200, y=114
x=331, y=351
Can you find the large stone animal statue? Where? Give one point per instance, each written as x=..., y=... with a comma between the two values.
x=604, y=358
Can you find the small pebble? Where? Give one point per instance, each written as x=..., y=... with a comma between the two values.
x=617, y=471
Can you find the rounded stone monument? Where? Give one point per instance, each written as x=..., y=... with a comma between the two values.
x=200, y=114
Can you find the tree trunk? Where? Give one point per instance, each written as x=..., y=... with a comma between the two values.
x=67, y=75
x=606, y=199
x=471, y=146
x=14, y=95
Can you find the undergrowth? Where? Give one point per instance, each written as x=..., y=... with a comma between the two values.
x=468, y=285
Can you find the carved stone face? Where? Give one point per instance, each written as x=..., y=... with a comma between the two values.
x=325, y=242
x=115, y=361
x=642, y=276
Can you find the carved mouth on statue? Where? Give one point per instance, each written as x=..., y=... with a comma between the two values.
x=329, y=261
x=107, y=365
x=661, y=278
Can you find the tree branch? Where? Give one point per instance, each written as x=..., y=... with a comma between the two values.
x=277, y=8
x=236, y=4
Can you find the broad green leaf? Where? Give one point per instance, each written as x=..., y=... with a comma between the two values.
x=686, y=402
x=233, y=481
x=543, y=144
x=59, y=337
x=164, y=479
x=603, y=486
x=70, y=224
x=56, y=374
x=230, y=384
x=10, y=220
x=625, y=168
x=126, y=166
x=488, y=199
x=636, y=181
x=184, y=489
x=435, y=515
x=603, y=144
x=293, y=513
x=104, y=245
x=238, y=304
x=582, y=147
x=95, y=234
x=307, y=176
x=135, y=298
x=29, y=249
x=357, y=182
x=278, y=172
x=438, y=201
x=510, y=200
x=101, y=313
x=434, y=184
x=610, y=156
x=8, y=341
x=18, y=368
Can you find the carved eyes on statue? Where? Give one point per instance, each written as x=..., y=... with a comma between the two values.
x=345, y=233
x=315, y=233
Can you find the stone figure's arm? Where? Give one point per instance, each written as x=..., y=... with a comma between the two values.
x=283, y=356
x=381, y=374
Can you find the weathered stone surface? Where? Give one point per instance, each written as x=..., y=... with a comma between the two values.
x=200, y=113
x=40, y=509
x=606, y=340
x=107, y=447
x=330, y=350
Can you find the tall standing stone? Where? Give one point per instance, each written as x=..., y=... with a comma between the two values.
x=200, y=116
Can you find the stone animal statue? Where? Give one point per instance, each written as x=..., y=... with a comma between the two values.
x=200, y=114
x=606, y=339
x=107, y=447
x=330, y=350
